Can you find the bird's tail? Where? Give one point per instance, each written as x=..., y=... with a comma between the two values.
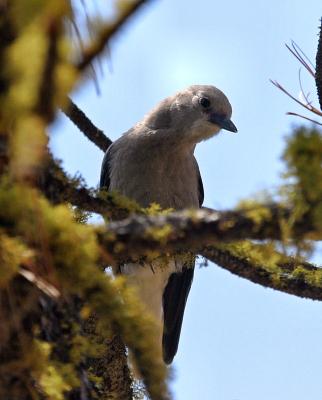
x=174, y=302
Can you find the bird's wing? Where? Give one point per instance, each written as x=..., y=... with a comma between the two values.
x=175, y=297
x=174, y=301
x=105, y=170
x=201, y=193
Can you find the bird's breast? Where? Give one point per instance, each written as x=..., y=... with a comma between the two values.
x=168, y=181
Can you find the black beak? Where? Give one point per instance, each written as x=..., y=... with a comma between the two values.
x=224, y=123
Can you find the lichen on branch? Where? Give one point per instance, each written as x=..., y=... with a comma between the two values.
x=263, y=265
x=318, y=74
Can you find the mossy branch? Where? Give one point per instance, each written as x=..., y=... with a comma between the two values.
x=259, y=223
x=85, y=125
x=58, y=187
x=318, y=74
x=275, y=271
x=64, y=243
x=187, y=230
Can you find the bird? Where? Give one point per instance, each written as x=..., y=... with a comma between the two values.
x=153, y=162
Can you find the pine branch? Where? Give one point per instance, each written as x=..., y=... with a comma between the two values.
x=85, y=125
x=318, y=75
x=106, y=33
x=301, y=279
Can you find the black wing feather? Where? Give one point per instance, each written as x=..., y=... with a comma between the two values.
x=175, y=298
x=105, y=170
x=174, y=301
x=201, y=193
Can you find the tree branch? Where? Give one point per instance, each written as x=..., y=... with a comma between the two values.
x=297, y=278
x=318, y=74
x=303, y=117
x=98, y=45
x=58, y=187
x=306, y=105
x=191, y=230
x=85, y=125
x=259, y=263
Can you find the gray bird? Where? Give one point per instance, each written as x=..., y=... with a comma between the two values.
x=153, y=162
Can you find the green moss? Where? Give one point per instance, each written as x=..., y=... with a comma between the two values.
x=156, y=209
x=54, y=378
x=12, y=254
x=303, y=157
x=267, y=259
x=120, y=201
x=72, y=251
x=26, y=58
x=313, y=278
x=159, y=234
x=264, y=256
x=255, y=210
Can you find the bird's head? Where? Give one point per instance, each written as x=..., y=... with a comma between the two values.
x=193, y=114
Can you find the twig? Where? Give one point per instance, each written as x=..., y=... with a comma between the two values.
x=307, y=106
x=301, y=56
x=298, y=53
x=40, y=283
x=302, y=116
x=85, y=125
x=95, y=48
x=80, y=42
x=306, y=96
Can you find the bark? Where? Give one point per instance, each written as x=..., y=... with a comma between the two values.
x=318, y=73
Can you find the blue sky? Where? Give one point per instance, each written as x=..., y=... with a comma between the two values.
x=239, y=341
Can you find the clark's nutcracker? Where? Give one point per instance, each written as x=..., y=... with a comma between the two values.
x=153, y=162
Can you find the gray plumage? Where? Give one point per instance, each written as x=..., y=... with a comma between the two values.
x=154, y=163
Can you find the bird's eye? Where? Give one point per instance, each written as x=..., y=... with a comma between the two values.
x=204, y=102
